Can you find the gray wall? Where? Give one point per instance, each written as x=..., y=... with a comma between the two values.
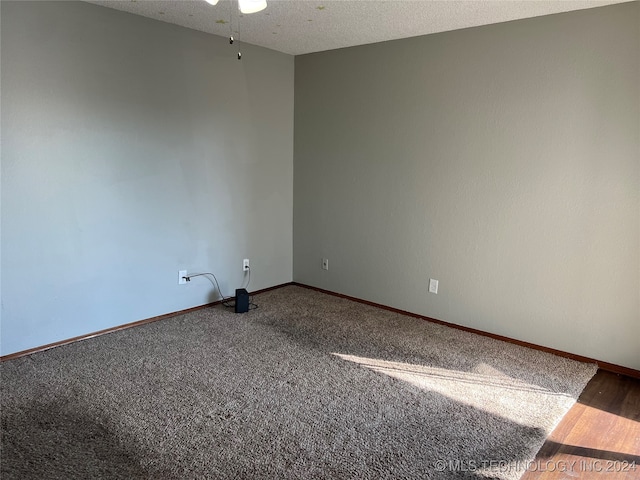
x=503, y=161
x=131, y=149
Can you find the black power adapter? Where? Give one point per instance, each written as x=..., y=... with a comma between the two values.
x=242, y=300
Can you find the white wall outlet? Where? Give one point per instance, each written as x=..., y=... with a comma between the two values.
x=433, y=286
x=245, y=265
x=181, y=275
x=325, y=264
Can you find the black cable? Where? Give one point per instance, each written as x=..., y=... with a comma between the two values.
x=225, y=300
x=249, y=280
x=251, y=304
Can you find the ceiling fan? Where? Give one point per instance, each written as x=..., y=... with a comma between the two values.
x=246, y=6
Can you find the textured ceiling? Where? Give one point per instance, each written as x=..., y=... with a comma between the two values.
x=304, y=26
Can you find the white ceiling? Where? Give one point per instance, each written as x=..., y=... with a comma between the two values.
x=304, y=26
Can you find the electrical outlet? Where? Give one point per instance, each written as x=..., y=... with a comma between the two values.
x=245, y=265
x=181, y=275
x=325, y=264
x=433, y=286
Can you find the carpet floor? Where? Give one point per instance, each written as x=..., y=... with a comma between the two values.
x=307, y=386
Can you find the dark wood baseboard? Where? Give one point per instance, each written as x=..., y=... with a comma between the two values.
x=610, y=367
x=42, y=348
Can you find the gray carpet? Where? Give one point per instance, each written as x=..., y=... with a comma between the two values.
x=306, y=386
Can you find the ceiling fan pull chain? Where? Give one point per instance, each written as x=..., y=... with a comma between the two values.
x=238, y=32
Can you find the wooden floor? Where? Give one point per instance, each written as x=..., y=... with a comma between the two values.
x=599, y=438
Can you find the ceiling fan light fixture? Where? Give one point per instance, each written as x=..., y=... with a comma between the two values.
x=251, y=6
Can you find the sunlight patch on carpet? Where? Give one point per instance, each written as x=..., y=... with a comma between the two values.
x=486, y=388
